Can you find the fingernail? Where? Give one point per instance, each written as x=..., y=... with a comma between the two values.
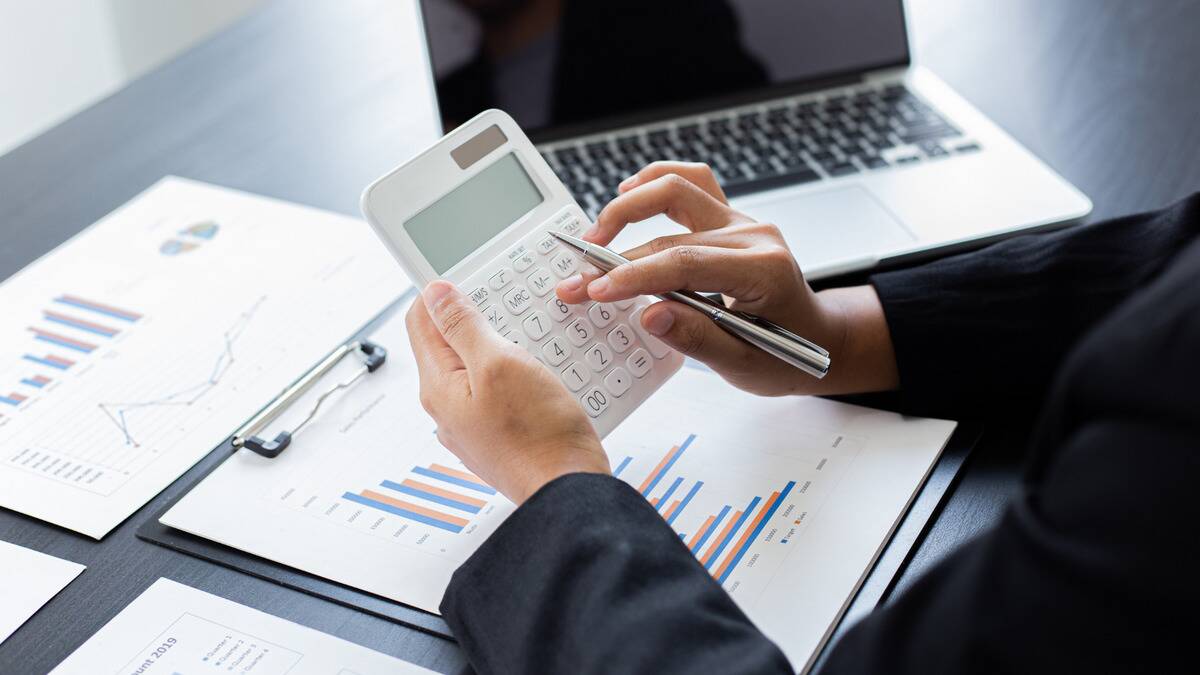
x=628, y=182
x=571, y=283
x=590, y=232
x=599, y=286
x=659, y=323
x=435, y=292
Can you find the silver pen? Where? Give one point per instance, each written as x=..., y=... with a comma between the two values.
x=767, y=336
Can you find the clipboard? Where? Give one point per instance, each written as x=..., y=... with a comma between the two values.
x=876, y=586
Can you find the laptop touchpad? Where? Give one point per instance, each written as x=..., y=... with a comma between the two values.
x=830, y=225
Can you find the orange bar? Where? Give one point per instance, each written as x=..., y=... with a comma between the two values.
x=443, y=493
x=762, y=512
x=671, y=509
x=712, y=550
x=658, y=469
x=700, y=532
x=401, y=504
x=458, y=474
x=654, y=502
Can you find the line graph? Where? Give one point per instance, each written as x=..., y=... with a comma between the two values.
x=119, y=412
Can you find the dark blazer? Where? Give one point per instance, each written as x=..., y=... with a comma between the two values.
x=1093, y=568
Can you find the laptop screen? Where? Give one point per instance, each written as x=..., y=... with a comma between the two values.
x=575, y=65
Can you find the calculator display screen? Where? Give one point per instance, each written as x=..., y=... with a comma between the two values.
x=456, y=225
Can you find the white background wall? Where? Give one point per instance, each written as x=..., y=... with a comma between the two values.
x=59, y=56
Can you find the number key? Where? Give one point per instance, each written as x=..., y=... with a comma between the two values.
x=620, y=338
x=575, y=376
x=595, y=401
x=558, y=309
x=598, y=356
x=579, y=331
x=536, y=325
x=556, y=350
x=601, y=314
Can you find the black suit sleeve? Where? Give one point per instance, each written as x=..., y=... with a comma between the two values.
x=585, y=578
x=985, y=332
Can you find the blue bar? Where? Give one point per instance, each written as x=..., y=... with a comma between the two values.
x=63, y=343
x=402, y=512
x=711, y=528
x=683, y=504
x=670, y=491
x=621, y=467
x=733, y=531
x=80, y=326
x=682, y=535
x=417, y=492
x=32, y=383
x=10, y=401
x=754, y=535
x=665, y=469
x=453, y=480
x=44, y=362
x=92, y=308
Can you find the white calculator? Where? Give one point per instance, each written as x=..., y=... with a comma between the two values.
x=477, y=209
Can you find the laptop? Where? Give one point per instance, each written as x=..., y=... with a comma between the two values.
x=811, y=114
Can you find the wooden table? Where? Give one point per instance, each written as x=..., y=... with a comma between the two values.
x=308, y=101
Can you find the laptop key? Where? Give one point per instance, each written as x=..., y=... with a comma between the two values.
x=778, y=180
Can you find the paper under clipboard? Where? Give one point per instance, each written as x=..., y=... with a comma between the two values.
x=763, y=490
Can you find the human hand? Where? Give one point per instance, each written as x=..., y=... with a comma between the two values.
x=507, y=417
x=750, y=263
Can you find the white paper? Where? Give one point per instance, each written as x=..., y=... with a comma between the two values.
x=172, y=628
x=28, y=580
x=849, y=473
x=139, y=345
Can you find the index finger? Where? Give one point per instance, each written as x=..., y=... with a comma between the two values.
x=708, y=269
x=671, y=194
x=699, y=174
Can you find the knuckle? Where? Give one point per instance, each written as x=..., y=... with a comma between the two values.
x=675, y=183
x=454, y=318
x=685, y=257
x=662, y=244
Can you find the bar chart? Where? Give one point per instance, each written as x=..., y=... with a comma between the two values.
x=722, y=539
x=439, y=496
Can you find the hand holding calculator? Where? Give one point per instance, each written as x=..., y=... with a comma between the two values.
x=477, y=209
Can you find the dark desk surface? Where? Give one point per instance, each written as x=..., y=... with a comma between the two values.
x=309, y=101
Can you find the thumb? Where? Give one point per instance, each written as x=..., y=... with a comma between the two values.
x=463, y=326
x=693, y=334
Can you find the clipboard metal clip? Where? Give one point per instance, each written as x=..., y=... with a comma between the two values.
x=373, y=357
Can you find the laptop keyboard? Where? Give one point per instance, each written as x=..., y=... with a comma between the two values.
x=771, y=146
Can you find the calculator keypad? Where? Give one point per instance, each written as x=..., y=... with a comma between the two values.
x=599, y=351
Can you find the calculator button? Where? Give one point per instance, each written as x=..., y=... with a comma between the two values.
x=480, y=295
x=579, y=331
x=517, y=337
x=556, y=350
x=571, y=226
x=500, y=279
x=541, y=281
x=496, y=316
x=656, y=346
x=618, y=381
x=598, y=356
x=518, y=300
x=536, y=325
x=601, y=314
x=565, y=264
x=563, y=219
x=624, y=304
x=576, y=375
x=523, y=261
x=621, y=338
x=639, y=362
x=558, y=309
x=595, y=401
x=546, y=244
